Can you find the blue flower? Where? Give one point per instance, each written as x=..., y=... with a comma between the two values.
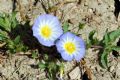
x=71, y=47
x=47, y=29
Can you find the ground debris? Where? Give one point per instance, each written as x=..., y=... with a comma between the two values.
x=75, y=74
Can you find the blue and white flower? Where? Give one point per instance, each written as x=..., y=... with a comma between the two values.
x=71, y=47
x=47, y=29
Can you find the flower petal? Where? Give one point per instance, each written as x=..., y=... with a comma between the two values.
x=80, y=54
x=53, y=23
x=66, y=56
x=79, y=47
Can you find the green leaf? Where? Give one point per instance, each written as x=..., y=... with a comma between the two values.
x=14, y=15
x=14, y=24
x=81, y=26
x=114, y=35
x=65, y=27
x=34, y=54
x=46, y=57
x=3, y=35
x=5, y=23
x=61, y=68
x=14, y=21
x=116, y=48
x=52, y=65
x=91, y=34
x=10, y=44
x=8, y=22
x=1, y=22
x=41, y=65
x=106, y=39
x=91, y=39
x=103, y=60
x=17, y=40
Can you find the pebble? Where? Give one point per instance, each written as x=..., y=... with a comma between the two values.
x=99, y=1
x=118, y=73
x=111, y=68
x=75, y=74
x=90, y=10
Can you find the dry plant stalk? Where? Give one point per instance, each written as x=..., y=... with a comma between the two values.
x=21, y=10
x=87, y=70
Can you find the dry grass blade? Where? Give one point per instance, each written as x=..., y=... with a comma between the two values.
x=87, y=70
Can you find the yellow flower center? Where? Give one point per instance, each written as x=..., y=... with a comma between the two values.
x=46, y=31
x=70, y=47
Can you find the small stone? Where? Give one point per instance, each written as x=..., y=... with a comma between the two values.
x=111, y=68
x=0, y=65
x=27, y=53
x=118, y=71
x=90, y=10
x=21, y=53
x=75, y=74
x=118, y=66
x=98, y=68
x=41, y=76
x=99, y=2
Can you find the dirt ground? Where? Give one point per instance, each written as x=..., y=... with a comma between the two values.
x=96, y=14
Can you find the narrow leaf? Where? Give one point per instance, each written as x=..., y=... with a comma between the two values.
x=106, y=39
x=103, y=60
x=3, y=35
x=81, y=26
x=114, y=35
x=41, y=65
x=91, y=34
x=1, y=22
x=65, y=26
x=116, y=48
x=17, y=40
x=91, y=39
x=14, y=15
